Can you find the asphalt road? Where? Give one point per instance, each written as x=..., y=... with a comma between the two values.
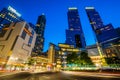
x=60, y=76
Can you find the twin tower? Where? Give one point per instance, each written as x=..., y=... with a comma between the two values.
x=75, y=36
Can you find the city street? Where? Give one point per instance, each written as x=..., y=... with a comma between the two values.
x=64, y=75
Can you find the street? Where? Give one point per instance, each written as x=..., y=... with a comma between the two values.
x=64, y=75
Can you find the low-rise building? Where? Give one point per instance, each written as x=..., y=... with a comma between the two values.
x=94, y=55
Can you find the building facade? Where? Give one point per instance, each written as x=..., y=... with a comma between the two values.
x=74, y=35
x=8, y=15
x=92, y=50
x=50, y=62
x=54, y=54
x=104, y=33
x=16, y=43
x=118, y=30
x=40, y=27
x=94, y=55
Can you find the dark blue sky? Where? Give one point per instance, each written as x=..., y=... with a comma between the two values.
x=56, y=15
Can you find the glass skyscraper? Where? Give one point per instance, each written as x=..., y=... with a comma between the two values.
x=104, y=33
x=74, y=35
x=40, y=27
x=8, y=15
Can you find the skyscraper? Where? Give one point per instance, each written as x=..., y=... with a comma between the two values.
x=40, y=27
x=118, y=30
x=104, y=33
x=74, y=35
x=8, y=15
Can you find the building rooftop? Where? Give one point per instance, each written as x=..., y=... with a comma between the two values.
x=89, y=8
x=72, y=8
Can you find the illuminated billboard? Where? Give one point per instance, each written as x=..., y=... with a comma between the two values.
x=14, y=11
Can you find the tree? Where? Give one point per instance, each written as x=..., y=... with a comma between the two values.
x=82, y=59
x=72, y=58
x=31, y=61
x=85, y=59
x=112, y=60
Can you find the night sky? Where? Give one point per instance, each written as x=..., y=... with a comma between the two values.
x=56, y=15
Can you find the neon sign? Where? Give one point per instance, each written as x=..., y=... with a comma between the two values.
x=14, y=11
